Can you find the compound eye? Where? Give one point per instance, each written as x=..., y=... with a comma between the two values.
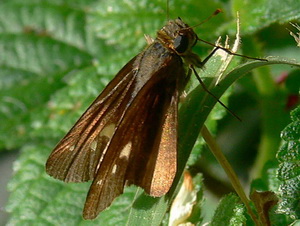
x=181, y=43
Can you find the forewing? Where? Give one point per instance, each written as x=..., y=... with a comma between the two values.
x=77, y=156
x=158, y=174
x=143, y=148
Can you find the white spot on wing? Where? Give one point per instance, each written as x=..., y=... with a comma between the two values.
x=94, y=145
x=72, y=148
x=99, y=182
x=126, y=151
x=114, y=170
x=108, y=130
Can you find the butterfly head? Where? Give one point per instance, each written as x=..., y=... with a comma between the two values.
x=180, y=38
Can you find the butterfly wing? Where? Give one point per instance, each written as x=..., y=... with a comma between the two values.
x=143, y=149
x=77, y=155
x=129, y=133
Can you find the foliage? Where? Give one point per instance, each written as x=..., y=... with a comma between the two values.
x=288, y=171
x=56, y=57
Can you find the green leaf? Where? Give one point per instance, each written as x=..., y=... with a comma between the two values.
x=32, y=64
x=38, y=199
x=67, y=104
x=270, y=182
x=229, y=212
x=58, y=21
x=261, y=13
x=289, y=168
x=107, y=20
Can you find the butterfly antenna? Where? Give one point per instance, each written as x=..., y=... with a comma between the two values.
x=230, y=52
x=204, y=21
x=168, y=10
x=216, y=12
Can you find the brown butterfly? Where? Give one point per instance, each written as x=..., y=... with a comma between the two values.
x=129, y=133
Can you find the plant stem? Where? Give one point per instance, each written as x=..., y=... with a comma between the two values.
x=216, y=150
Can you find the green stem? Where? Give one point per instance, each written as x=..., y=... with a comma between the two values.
x=215, y=149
